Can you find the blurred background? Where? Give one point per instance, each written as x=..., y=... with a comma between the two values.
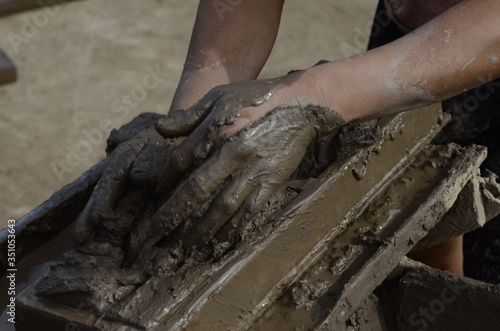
x=88, y=66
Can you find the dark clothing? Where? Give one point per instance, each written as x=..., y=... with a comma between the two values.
x=475, y=119
x=411, y=14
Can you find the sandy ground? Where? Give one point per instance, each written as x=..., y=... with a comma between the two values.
x=83, y=65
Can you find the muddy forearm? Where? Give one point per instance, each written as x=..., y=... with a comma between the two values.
x=231, y=41
x=455, y=52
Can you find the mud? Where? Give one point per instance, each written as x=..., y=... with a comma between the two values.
x=121, y=248
x=476, y=205
x=173, y=278
x=298, y=233
x=128, y=131
x=116, y=279
x=319, y=291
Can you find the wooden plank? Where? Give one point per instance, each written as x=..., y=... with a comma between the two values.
x=8, y=7
x=8, y=72
x=50, y=218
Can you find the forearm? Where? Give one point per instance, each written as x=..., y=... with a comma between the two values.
x=455, y=52
x=231, y=41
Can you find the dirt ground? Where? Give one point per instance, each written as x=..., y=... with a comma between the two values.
x=82, y=69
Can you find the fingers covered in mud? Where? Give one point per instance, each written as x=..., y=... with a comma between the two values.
x=230, y=212
x=240, y=175
x=222, y=104
x=151, y=160
x=215, y=198
x=202, y=122
x=186, y=156
x=157, y=193
x=193, y=191
x=115, y=184
x=182, y=122
x=107, y=191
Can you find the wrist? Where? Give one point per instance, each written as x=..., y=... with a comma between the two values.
x=335, y=83
x=369, y=86
x=194, y=84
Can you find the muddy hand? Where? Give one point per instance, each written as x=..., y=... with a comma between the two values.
x=201, y=123
x=245, y=169
x=128, y=164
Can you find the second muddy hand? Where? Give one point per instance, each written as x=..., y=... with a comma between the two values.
x=122, y=192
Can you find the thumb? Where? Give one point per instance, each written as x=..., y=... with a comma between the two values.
x=184, y=121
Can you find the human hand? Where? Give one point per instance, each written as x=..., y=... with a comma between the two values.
x=240, y=171
x=120, y=192
x=221, y=112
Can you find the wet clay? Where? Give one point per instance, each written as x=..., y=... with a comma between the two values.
x=276, y=262
x=296, y=236
x=158, y=286
x=319, y=291
x=244, y=171
x=128, y=131
x=122, y=247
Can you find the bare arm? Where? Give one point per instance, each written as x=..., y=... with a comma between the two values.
x=455, y=52
x=231, y=41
